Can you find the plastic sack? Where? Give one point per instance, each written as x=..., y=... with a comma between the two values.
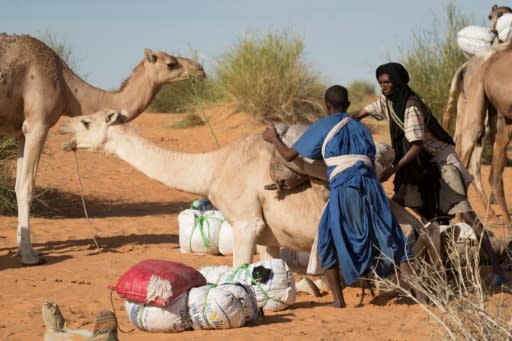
x=157, y=282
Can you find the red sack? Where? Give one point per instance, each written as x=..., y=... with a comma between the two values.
x=157, y=282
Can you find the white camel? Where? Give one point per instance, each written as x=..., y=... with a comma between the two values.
x=232, y=178
x=37, y=87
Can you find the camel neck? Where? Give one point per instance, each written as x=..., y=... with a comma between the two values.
x=189, y=172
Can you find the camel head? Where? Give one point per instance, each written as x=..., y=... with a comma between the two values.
x=91, y=131
x=496, y=13
x=165, y=68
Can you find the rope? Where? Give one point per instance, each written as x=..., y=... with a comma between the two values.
x=193, y=81
x=91, y=228
x=84, y=205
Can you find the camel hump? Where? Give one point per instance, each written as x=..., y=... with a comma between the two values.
x=25, y=50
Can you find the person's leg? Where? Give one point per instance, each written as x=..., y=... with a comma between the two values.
x=334, y=280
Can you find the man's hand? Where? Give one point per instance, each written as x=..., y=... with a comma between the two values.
x=269, y=134
x=386, y=173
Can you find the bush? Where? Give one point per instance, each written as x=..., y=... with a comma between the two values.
x=266, y=76
x=184, y=96
x=456, y=291
x=434, y=59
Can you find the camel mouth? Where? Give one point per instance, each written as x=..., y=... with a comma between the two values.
x=70, y=146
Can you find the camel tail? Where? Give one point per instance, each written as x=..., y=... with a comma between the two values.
x=455, y=89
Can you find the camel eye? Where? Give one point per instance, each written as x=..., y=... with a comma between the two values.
x=86, y=124
x=172, y=65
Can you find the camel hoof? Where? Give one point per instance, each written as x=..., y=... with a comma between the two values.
x=307, y=285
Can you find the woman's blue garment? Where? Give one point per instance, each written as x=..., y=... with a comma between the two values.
x=357, y=226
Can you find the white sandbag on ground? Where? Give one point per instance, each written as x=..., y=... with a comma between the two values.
x=216, y=274
x=275, y=294
x=214, y=307
x=246, y=296
x=472, y=39
x=504, y=27
x=199, y=231
x=169, y=319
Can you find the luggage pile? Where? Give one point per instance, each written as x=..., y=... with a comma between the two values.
x=165, y=296
x=271, y=281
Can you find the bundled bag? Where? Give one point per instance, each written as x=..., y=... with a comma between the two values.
x=214, y=307
x=504, y=27
x=172, y=318
x=157, y=282
x=199, y=231
x=246, y=297
x=472, y=39
x=271, y=280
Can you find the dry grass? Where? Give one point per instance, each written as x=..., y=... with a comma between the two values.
x=458, y=298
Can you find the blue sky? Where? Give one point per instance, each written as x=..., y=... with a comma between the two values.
x=344, y=40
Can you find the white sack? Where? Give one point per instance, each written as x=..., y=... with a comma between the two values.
x=472, y=39
x=226, y=239
x=169, y=319
x=504, y=27
x=213, y=307
x=199, y=231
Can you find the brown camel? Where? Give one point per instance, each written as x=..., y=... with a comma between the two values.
x=458, y=93
x=488, y=93
x=233, y=178
x=37, y=87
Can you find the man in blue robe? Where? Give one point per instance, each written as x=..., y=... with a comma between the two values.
x=357, y=232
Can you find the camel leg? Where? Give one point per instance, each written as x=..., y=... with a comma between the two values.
x=499, y=158
x=268, y=252
x=29, y=152
x=245, y=234
x=473, y=122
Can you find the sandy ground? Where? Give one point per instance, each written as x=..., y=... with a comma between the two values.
x=135, y=218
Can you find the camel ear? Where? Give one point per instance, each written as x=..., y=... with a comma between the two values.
x=115, y=117
x=148, y=54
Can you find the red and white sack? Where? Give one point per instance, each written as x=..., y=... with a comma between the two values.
x=226, y=239
x=157, y=282
x=172, y=318
x=472, y=39
x=212, y=307
x=247, y=298
x=278, y=292
x=199, y=231
x=504, y=27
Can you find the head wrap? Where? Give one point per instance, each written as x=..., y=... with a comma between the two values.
x=396, y=72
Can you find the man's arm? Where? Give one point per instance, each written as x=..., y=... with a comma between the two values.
x=359, y=115
x=414, y=150
x=270, y=135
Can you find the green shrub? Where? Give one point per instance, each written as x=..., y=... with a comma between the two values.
x=267, y=76
x=185, y=96
x=434, y=59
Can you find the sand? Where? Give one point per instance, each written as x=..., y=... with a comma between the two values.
x=135, y=218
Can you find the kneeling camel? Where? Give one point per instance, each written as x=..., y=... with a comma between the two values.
x=232, y=178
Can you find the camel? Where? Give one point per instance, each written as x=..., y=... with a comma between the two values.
x=232, y=178
x=486, y=94
x=457, y=96
x=37, y=87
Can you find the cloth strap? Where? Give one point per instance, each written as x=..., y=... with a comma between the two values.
x=342, y=162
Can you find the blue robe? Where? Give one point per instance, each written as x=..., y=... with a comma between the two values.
x=357, y=226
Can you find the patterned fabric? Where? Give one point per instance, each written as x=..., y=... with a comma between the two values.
x=414, y=125
x=357, y=228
